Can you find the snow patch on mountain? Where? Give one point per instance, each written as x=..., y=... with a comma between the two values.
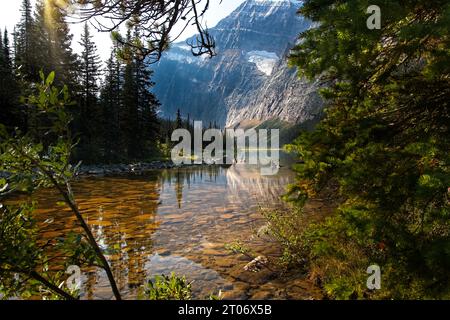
x=179, y=57
x=249, y=79
x=181, y=52
x=183, y=46
x=276, y=2
x=264, y=61
x=271, y=2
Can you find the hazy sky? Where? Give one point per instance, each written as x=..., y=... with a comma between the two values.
x=10, y=15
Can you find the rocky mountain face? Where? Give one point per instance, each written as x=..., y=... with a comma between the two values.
x=249, y=80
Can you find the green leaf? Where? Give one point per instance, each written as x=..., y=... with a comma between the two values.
x=50, y=78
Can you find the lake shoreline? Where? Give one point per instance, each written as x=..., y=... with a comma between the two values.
x=117, y=170
x=122, y=168
x=139, y=168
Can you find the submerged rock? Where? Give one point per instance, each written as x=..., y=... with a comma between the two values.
x=256, y=264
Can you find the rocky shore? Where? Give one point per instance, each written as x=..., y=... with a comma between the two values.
x=123, y=169
x=108, y=170
x=139, y=168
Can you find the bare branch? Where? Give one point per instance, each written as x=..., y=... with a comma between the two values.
x=156, y=20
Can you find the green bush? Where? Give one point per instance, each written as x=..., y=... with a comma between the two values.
x=383, y=142
x=167, y=288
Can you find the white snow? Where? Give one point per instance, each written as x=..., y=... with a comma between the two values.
x=272, y=9
x=277, y=1
x=183, y=46
x=182, y=53
x=265, y=61
x=180, y=57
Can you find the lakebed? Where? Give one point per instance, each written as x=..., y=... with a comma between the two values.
x=178, y=220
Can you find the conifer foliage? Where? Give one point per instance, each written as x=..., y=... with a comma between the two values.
x=115, y=113
x=9, y=113
x=383, y=145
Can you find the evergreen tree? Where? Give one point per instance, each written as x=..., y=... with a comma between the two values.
x=24, y=46
x=111, y=106
x=178, y=120
x=383, y=145
x=147, y=106
x=139, y=124
x=90, y=68
x=7, y=50
x=43, y=43
x=130, y=119
x=88, y=117
x=9, y=111
x=146, y=101
x=53, y=39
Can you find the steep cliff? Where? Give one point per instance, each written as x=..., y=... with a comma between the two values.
x=249, y=79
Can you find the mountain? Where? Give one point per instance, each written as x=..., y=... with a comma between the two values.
x=248, y=82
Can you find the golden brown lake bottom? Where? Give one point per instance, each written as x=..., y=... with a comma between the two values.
x=178, y=220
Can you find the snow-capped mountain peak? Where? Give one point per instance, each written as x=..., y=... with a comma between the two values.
x=249, y=78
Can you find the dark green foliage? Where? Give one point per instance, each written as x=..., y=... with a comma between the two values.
x=131, y=129
x=115, y=119
x=88, y=114
x=288, y=131
x=138, y=120
x=30, y=165
x=383, y=142
x=111, y=108
x=52, y=51
x=9, y=91
x=23, y=261
x=24, y=44
x=179, y=120
x=42, y=43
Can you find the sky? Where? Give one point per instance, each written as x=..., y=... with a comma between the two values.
x=10, y=15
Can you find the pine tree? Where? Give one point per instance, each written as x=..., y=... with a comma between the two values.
x=9, y=111
x=111, y=106
x=178, y=120
x=383, y=145
x=53, y=39
x=149, y=127
x=7, y=50
x=147, y=106
x=88, y=117
x=24, y=46
x=90, y=68
x=43, y=43
x=139, y=124
x=130, y=120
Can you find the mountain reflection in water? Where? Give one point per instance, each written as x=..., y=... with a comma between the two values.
x=170, y=220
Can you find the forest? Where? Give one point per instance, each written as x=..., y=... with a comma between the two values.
x=379, y=155
x=114, y=112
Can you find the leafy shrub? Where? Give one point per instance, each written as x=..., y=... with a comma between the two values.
x=167, y=288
